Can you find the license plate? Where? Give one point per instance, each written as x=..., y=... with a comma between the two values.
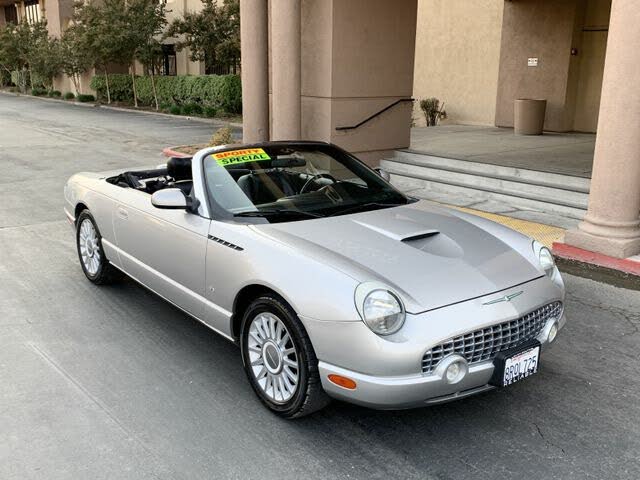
x=513, y=366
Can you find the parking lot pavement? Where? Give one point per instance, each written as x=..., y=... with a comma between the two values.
x=112, y=382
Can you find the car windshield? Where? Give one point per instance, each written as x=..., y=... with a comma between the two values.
x=294, y=182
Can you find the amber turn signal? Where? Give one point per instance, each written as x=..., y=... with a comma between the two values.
x=344, y=382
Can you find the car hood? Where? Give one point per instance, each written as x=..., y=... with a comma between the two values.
x=431, y=256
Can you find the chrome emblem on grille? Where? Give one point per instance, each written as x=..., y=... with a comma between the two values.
x=506, y=298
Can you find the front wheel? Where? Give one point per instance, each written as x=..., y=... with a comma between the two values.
x=94, y=262
x=279, y=359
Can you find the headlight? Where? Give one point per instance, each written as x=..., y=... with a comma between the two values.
x=383, y=312
x=545, y=257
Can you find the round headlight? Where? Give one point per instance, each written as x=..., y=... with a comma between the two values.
x=383, y=312
x=545, y=257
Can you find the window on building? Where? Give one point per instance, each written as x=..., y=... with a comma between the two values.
x=32, y=11
x=214, y=67
x=169, y=60
x=11, y=14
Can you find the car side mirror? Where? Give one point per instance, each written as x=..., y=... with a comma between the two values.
x=384, y=174
x=170, y=198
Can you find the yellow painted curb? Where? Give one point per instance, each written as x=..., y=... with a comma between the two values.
x=545, y=234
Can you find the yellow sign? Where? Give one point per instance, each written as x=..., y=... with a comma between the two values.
x=241, y=156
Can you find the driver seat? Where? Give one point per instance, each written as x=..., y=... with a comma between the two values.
x=266, y=187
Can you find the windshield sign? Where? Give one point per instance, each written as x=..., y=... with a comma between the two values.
x=241, y=156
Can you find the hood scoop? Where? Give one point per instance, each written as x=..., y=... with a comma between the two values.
x=435, y=243
x=420, y=236
x=404, y=231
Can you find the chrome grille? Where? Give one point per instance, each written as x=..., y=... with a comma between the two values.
x=484, y=344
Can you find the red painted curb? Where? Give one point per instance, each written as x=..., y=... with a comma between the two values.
x=168, y=152
x=574, y=253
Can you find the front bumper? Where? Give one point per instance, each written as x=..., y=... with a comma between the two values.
x=412, y=390
x=388, y=371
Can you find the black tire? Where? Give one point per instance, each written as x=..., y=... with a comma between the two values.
x=309, y=396
x=105, y=273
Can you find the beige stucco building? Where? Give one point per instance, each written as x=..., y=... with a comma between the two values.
x=473, y=56
x=58, y=14
x=312, y=68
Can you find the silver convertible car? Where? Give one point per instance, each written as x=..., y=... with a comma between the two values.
x=333, y=283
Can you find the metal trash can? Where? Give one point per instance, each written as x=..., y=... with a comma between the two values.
x=529, y=116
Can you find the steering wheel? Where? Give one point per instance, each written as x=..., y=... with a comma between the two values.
x=315, y=177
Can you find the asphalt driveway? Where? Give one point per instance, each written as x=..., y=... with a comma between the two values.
x=114, y=383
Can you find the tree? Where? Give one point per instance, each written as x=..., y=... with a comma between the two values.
x=16, y=49
x=9, y=61
x=44, y=56
x=148, y=21
x=212, y=34
x=74, y=58
x=107, y=34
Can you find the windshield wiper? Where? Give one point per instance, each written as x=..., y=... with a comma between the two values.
x=265, y=213
x=365, y=206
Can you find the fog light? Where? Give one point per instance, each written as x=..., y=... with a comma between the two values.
x=455, y=372
x=553, y=331
x=452, y=372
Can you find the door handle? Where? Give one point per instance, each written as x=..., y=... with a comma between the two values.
x=122, y=213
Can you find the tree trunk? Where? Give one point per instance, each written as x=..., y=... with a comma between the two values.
x=22, y=79
x=153, y=86
x=106, y=78
x=133, y=84
x=75, y=78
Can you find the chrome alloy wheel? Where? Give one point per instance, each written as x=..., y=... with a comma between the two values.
x=273, y=357
x=89, y=247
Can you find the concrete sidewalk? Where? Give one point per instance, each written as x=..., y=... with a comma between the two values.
x=564, y=153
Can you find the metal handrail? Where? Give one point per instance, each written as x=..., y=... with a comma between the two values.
x=353, y=127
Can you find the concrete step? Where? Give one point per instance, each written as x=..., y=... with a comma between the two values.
x=534, y=177
x=427, y=176
x=429, y=190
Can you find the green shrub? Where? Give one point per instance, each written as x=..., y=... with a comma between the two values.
x=222, y=92
x=5, y=77
x=54, y=93
x=120, y=87
x=84, y=98
x=175, y=109
x=209, y=111
x=38, y=92
x=187, y=109
x=197, y=109
x=69, y=96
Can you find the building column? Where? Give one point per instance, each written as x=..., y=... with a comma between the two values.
x=612, y=223
x=286, y=69
x=254, y=38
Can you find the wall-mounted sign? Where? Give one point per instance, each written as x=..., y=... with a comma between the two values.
x=532, y=61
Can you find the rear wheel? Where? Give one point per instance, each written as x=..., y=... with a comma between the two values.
x=94, y=262
x=279, y=359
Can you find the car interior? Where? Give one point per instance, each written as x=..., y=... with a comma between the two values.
x=260, y=186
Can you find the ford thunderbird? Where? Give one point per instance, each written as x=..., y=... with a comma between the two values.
x=333, y=283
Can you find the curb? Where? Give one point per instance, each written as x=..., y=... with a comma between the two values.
x=210, y=121
x=169, y=152
x=48, y=99
x=621, y=272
